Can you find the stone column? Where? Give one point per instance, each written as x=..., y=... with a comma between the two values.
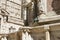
x=47, y=32
x=4, y=38
x=23, y=35
x=47, y=35
x=26, y=36
x=30, y=38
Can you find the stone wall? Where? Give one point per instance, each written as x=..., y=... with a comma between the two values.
x=53, y=5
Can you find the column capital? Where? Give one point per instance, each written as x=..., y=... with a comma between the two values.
x=46, y=27
x=25, y=30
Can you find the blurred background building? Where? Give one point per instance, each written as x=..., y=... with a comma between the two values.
x=29, y=19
